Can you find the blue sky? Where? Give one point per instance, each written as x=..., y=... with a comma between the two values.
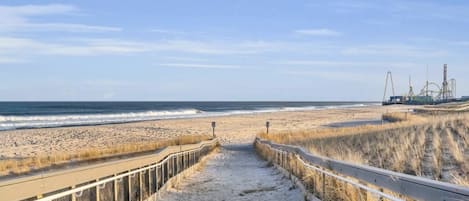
x=227, y=50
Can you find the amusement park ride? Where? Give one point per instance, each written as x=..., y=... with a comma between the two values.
x=431, y=94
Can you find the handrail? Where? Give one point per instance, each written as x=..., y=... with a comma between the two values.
x=412, y=186
x=31, y=186
x=341, y=178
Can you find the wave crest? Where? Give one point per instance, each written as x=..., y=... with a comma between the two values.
x=42, y=121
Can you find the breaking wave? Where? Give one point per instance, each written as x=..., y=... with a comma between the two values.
x=46, y=121
x=43, y=121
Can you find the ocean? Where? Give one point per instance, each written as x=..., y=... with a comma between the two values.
x=25, y=115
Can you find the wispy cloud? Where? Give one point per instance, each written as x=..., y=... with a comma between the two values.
x=393, y=50
x=345, y=64
x=197, y=65
x=318, y=32
x=460, y=43
x=167, y=31
x=190, y=59
x=216, y=47
x=18, y=47
x=20, y=18
x=342, y=76
x=5, y=60
x=64, y=27
x=32, y=10
x=415, y=10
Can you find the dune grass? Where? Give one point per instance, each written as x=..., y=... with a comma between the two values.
x=20, y=166
x=397, y=120
x=435, y=147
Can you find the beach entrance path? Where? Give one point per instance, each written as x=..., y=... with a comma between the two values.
x=235, y=173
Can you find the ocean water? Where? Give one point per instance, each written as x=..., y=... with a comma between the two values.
x=23, y=115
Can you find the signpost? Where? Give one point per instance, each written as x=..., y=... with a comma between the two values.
x=213, y=128
x=267, y=125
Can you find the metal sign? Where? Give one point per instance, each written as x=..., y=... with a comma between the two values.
x=213, y=124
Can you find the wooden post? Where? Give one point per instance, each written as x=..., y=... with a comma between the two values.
x=129, y=186
x=323, y=186
x=163, y=174
x=73, y=196
x=97, y=191
x=156, y=179
x=382, y=191
x=167, y=171
x=188, y=159
x=283, y=160
x=149, y=182
x=213, y=129
x=180, y=163
x=177, y=164
x=114, y=188
x=140, y=186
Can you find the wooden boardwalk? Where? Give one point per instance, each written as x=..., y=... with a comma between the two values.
x=235, y=173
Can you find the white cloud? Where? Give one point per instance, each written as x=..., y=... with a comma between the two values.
x=190, y=59
x=408, y=10
x=357, y=77
x=65, y=27
x=460, y=43
x=393, y=50
x=5, y=60
x=20, y=18
x=196, y=65
x=18, y=47
x=335, y=63
x=216, y=47
x=318, y=32
x=31, y=10
x=166, y=31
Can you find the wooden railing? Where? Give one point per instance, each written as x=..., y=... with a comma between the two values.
x=136, y=178
x=399, y=186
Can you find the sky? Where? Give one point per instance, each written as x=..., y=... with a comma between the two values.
x=229, y=50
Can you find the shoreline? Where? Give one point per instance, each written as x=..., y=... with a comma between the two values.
x=232, y=129
x=14, y=122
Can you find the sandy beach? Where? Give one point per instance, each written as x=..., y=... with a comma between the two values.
x=236, y=129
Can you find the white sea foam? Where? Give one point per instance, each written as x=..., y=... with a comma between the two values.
x=44, y=121
x=40, y=121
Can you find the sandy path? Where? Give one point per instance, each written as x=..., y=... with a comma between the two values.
x=235, y=173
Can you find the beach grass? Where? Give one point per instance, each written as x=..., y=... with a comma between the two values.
x=25, y=165
x=428, y=146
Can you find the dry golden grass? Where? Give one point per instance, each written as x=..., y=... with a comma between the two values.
x=435, y=147
x=334, y=189
x=19, y=166
x=445, y=108
x=398, y=120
